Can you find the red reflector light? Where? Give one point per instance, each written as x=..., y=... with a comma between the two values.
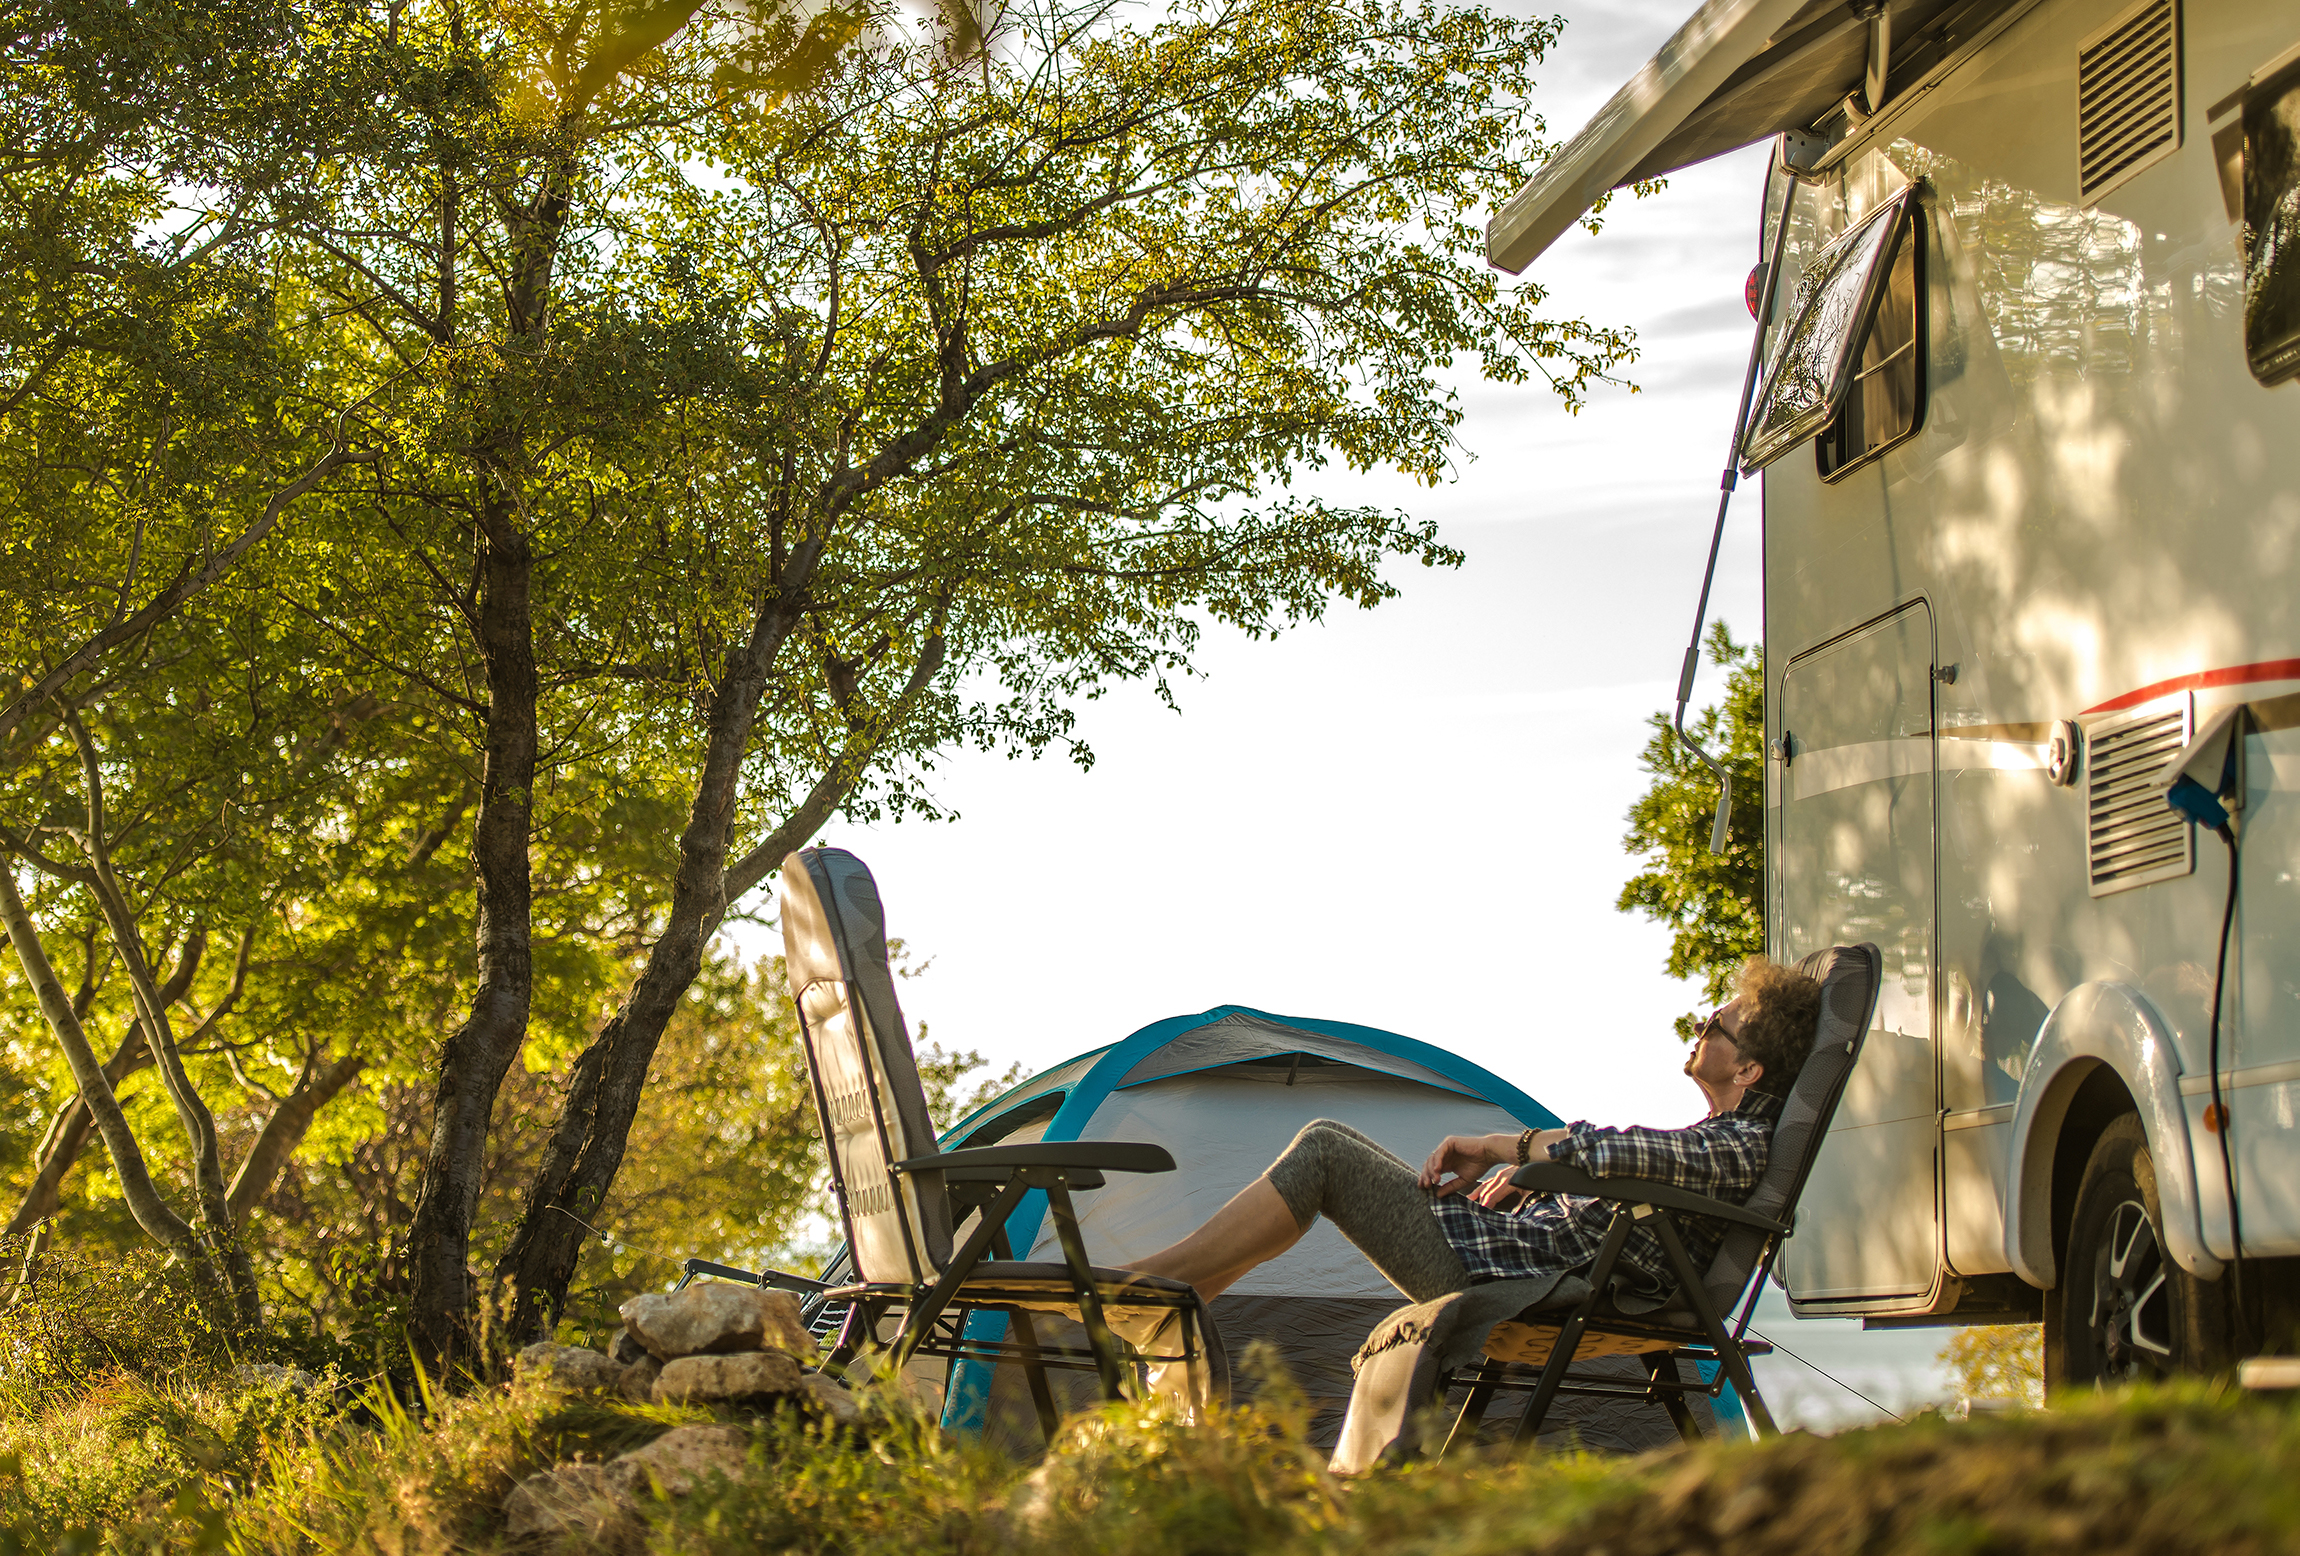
x=1753, y=289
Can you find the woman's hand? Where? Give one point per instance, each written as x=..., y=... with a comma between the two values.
x=1460, y=1160
x=1496, y=1192
x=1466, y=1158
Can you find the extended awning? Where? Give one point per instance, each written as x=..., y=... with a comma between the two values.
x=1737, y=72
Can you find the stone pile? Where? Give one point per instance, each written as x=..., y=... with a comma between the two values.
x=715, y=1344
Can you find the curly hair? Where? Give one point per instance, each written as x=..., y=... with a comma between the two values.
x=1780, y=1008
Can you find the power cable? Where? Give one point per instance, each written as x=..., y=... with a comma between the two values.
x=1832, y=1377
x=2221, y=1121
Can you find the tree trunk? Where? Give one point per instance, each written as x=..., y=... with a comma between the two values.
x=68, y=1136
x=585, y=1150
x=476, y=1056
x=285, y=1129
x=159, y=1222
x=192, y=1111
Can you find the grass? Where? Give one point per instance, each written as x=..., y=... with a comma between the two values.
x=2179, y=1470
x=140, y=1442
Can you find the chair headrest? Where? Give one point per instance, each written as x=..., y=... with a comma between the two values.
x=1851, y=977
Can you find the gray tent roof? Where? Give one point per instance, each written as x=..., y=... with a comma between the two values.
x=1246, y=1036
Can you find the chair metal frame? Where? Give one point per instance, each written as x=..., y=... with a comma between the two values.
x=982, y=1274
x=1709, y=1338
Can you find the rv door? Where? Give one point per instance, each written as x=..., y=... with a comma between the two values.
x=1854, y=861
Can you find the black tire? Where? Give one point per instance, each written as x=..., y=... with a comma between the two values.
x=2124, y=1312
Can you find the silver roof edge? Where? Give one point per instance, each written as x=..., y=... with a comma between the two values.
x=1718, y=39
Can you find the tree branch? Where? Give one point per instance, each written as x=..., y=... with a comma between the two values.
x=188, y=582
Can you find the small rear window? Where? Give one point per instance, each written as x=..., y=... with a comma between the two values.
x=1813, y=369
x=1885, y=397
x=2272, y=225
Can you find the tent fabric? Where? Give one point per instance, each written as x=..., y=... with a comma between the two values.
x=1240, y=1037
x=1225, y=1126
x=1221, y=1091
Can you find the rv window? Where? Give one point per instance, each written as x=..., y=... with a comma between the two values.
x=1881, y=403
x=1807, y=379
x=2272, y=225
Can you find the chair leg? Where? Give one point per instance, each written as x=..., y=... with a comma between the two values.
x=1569, y=1334
x=1661, y=1367
x=861, y=1321
x=1552, y=1375
x=1098, y=1337
x=1473, y=1409
x=1200, y=1400
x=1736, y=1364
x=1041, y=1397
x=1729, y=1353
x=926, y=1307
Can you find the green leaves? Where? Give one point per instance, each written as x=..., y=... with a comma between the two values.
x=855, y=391
x=1714, y=904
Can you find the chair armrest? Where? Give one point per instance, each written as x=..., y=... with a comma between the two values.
x=986, y=1180
x=1105, y=1155
x=1557, y=1178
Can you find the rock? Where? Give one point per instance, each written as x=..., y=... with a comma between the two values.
x=569, y=1366
x=715, y=1318
x=681, y=1458
x=272, y=1375
x=625, y=1348
x=710, y=1380
x=577, y=1507
x=638, y=1385
x=594, y=1508
x=831, y=1397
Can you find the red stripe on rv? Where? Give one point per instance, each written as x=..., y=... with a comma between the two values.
x=2234, y=675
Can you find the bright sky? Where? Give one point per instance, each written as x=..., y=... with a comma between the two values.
x=1408, y=817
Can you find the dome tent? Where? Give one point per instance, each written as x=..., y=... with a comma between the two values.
x=1224, y=1091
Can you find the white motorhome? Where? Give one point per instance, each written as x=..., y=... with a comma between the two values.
x=2031, y=498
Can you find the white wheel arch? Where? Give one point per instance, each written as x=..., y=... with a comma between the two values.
x=2094, y=1024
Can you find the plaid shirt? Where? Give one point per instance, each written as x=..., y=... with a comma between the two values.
x=1557, y=1234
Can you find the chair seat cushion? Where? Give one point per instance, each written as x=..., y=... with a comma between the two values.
x=1529, y=1338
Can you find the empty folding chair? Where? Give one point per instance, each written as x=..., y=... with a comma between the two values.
x=904, y=1202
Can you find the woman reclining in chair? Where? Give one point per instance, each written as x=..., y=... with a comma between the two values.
x=1428, y=1237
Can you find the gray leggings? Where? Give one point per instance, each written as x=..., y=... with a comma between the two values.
x=1376, y=1200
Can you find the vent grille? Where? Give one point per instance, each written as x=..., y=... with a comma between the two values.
x=2132, y=838
x=2127, y=97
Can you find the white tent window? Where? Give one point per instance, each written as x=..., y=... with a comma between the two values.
x=1806, y=384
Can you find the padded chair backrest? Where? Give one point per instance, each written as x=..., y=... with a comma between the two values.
x=867, y=1095
x=1851, y=977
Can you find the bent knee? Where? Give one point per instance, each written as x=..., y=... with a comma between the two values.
x=1320, y=1131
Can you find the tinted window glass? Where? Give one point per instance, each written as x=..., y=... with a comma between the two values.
x=2272, y=226
x=1808, y=376
x=1880, y=406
